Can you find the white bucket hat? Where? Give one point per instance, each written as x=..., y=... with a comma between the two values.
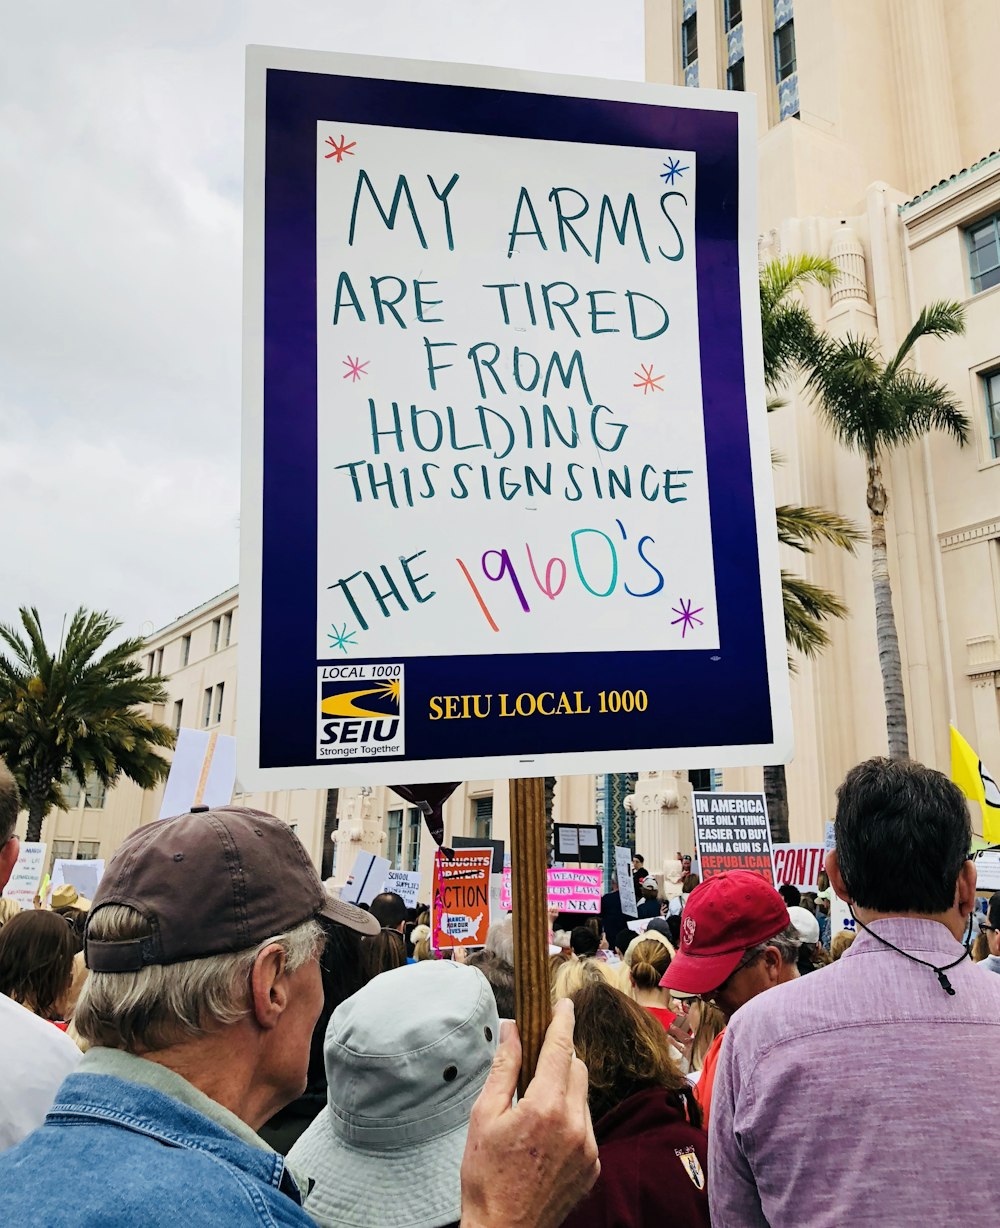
x=406, y=1057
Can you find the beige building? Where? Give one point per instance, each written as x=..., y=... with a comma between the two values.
x=876, y=122
x=877, y=119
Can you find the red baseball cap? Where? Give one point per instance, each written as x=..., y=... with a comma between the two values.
x=724, y=916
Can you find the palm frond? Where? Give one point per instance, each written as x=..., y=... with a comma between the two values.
x=802, y=527
x=806, y=608
x=939, y=319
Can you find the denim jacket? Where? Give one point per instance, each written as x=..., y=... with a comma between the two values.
x=116, y=1153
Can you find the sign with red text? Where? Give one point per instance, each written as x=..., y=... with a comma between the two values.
x=798, y=864
x=732, y=833
x=507, y=480
x=460, y=908
x=27, y=874
x=567, y=890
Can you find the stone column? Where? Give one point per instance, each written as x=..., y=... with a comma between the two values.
x=360, y=830
x=661, y=804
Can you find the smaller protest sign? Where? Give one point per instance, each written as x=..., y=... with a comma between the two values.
x=579, y=842
x=830, y=836
x=840, y=916
x=84, y=875
x=733, y=833
x=405, y=883
x=27, y=874
x=987, y=870
x=567, y=889
x=365, y=879
x=472, y=842
x=202, y=773
x=798, y=864
x=460, y=909
x=626, y=884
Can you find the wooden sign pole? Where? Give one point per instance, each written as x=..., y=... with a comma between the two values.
x=528, y=864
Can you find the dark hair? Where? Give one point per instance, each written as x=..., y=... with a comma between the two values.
x=389, y=909
x=673, y=921
x=36, y=960
x=624, y=939
x=993, y=912
x=625, y=1050
x=902, y=836
x=583, y=941
x=790, y=894
x=382, y=953
x=689, y=883
x=340, y=968
x=76, y=919
x=500, y=975
x=639, y=857
x=10, y=803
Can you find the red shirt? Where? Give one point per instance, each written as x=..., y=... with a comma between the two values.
x=665, y=1017
x=703, y=1088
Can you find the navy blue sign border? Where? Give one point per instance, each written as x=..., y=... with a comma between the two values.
x=696, y=698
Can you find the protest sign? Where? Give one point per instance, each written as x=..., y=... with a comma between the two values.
x=484, y=504
x=987, y=870
x=84, y=875
x=472, y=842
x=567, y=890
x=27, y=874
x=732, y=833
x=578, y=842
x=460, y=909
x=626, y=883
x=365, y=879
x=202, y=772
x=798, y=864
x=405, y=883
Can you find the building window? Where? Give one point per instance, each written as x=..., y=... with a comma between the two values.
x=216, y=631
x=413, y=828
x=689, y=41
x=158, y=666
x=185, y=650
x=149, y=664
x=736, y=76
x=71, y=791
x=94, y=794
x=87, y=850
x=984, y=253
x=62, y=850
x=991, y=389
x=784, y=51
x=178, y=714
x=733, y=13
x=700, y=779
x=206, y=708
x=218, y=702
x=482, y=818
x=394, y=838
x=225, y=629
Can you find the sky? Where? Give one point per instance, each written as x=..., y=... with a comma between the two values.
x=121, y=154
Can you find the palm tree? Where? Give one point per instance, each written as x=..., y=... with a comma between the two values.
x=76, y=711
x=874, y=407
x=791, y=343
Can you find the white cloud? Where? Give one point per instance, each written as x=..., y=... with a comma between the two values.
x=121, y=142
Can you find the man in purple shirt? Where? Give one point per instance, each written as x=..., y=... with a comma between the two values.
x=854, y=1096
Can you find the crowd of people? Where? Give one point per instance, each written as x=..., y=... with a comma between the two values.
x=216, y=1038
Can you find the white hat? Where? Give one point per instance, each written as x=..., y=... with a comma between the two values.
x=806, y=925
x=406, y=1058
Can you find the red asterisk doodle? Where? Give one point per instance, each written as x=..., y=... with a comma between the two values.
x=355, y=368
x=338, y=151
x=648, y=382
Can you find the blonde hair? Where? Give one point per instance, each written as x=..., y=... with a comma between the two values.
x=8, y=910
x=843, y=939
x=577, y=973
x=650, y=960
x=162, y=1004
x=711, y=1021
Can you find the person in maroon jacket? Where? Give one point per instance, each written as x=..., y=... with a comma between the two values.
x=653, y=1152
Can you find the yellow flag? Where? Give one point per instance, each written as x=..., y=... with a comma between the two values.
x=977, y=784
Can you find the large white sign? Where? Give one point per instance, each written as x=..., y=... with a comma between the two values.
x=506, y=460
x=27, y=874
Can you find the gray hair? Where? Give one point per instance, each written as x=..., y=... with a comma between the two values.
x=787, y=941
x=163, y=1004
x=500, y=939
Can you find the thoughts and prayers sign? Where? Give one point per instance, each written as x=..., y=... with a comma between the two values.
x=507, y=482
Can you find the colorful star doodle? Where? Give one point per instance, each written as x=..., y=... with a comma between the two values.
x=341, y=638
x=648, y=382
x=673, y=171
x=340, y=150
x=688, y=617
x=355, y=368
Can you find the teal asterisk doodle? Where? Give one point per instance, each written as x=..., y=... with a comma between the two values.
x=673, y=171
x=341, y=638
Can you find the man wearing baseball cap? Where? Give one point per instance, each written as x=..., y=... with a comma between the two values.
x=736, y=941
x=203, y=992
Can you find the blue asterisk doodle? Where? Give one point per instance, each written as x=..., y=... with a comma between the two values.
x=674, y=170
x=341, y=638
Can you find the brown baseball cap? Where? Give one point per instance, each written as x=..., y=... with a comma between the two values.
x=209, y=883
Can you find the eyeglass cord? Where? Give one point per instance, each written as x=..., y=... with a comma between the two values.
x=939, y=972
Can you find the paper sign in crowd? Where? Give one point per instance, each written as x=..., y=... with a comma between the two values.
x=732, y=833
x=567, y=890
x=460, y=898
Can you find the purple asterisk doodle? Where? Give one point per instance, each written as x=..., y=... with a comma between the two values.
x=688, y=617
